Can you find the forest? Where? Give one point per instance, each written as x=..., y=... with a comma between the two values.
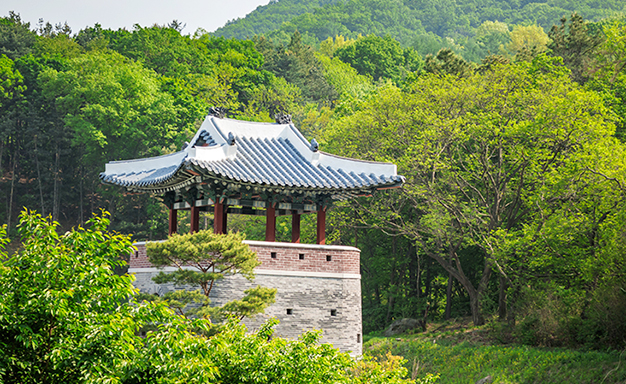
x=513, y=212
x=425, y=25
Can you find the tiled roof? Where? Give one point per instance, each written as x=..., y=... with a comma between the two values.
x=270, y=155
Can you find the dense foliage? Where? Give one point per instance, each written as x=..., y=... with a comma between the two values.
x=513, y=207
x=467, y=27
x=66, y=317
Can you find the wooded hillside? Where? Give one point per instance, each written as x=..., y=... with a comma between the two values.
x=466, y=27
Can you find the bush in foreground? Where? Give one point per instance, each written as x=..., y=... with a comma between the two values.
x=65, y=317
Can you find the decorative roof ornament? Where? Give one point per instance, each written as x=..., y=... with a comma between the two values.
x=231, y=139
x=282, y=118
x=314, y=145
x=218, y=112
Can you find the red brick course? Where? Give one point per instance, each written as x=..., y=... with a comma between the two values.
x=287, y=258
x=139, y=259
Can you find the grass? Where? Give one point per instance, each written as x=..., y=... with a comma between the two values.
x=463, y=354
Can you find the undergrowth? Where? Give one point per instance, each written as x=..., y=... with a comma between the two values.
x=458, y=353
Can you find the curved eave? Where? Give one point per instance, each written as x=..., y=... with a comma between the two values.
x=194, y=171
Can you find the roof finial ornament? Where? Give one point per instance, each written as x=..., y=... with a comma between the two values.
x=218, y=112
x=231, y=139
x=314, y=145
x=282, y=118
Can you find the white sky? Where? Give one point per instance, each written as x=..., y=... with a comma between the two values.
x=114, y=14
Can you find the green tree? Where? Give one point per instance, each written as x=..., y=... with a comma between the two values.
x=161, y=49
x=475, y=152
x=212, y=257
x=380, y=57
x=296, y=62
x=447, y=62
x=609, y=72
x=64, y=314
x=114, y=107
x=576, y=42
x=493, y=36
x=16, y=38
x=11, y=80
x=527, y=41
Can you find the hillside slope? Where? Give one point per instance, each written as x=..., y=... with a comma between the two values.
x=266, y=18
x=425, y=24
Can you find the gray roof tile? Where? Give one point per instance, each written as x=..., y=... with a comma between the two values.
x=263, y=154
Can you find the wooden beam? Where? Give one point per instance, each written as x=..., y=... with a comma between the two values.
x=218, y=221
x=173, y=224
x=321, y=226
x=281, y=208
x=195, y=220
x=270, y=224
x=295, y=227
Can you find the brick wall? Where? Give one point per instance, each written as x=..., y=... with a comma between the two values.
x=287, y=257
x=139, y=259
x=307, y=258
x=313, y=292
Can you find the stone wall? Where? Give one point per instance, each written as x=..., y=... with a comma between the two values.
x=318, y=287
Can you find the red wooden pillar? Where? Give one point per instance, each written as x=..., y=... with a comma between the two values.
x=321, y=226
x=225, y=220
x=195, y=219
x=270, y=223
x=295, y=227
x=173, y=221
x=218, y=221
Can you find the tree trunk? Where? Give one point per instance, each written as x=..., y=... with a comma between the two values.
x=11, y=193
x=43, y=212
x=477, y=316
x=502, y=298
x=418, y=284
x=91, y=196
x=81, y=217
x=447, y=314
x=411, y=286
x=356, y=230
x=1, y=151
x=474, y=294
x=55, y=195
x=511, y=315
x=392, y=278
x=428, y=279
x=113, y=207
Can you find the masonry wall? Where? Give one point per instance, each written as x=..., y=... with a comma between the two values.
x=318, y=287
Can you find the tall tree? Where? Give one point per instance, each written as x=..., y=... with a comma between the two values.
x=576, y=42
x=296, y=62
x=16, y=38
x=475, y=151
x=609, y=72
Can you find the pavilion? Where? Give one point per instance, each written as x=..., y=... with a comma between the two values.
x=241, y=167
